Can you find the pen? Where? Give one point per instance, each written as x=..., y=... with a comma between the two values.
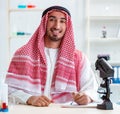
x=71, y=103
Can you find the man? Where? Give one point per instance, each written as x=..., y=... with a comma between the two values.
x=49, y=68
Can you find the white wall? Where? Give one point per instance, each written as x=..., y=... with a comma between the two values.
x=3, y=38
x=77, y=9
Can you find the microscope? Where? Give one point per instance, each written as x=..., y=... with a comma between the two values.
x=106, y=72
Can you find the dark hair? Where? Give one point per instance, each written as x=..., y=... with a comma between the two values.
x=56, y=7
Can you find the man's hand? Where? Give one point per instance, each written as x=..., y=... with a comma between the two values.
x=81, y=98
x=40, y=101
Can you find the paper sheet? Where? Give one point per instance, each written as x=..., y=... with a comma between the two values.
x=75, y=105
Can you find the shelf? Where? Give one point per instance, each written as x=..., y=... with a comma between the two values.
x=104, y=40
x=20, y=37
x=25, y=9
x=108, y=18
x=113, y=63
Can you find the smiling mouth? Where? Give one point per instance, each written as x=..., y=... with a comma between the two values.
x=56, y=32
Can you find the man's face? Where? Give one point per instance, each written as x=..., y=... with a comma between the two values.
x=56, y=26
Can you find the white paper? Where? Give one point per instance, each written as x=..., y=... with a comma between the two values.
x=75, y=105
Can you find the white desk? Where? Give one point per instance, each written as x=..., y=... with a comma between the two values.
x=56, y=109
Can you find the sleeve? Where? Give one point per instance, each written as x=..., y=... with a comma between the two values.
x=88, y=83
x=17, y=96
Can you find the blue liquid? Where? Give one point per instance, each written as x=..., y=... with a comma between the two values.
x=20, y=33
x=21, y=6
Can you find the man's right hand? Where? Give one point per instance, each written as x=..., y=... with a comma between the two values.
x=40, y=101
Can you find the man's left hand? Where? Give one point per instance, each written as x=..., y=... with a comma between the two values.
x=81, y=98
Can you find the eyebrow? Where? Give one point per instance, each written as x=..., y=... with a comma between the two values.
x=55, y=17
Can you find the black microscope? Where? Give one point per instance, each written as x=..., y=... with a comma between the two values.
x=106, y=72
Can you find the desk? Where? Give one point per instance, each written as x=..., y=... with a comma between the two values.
x=56, y=109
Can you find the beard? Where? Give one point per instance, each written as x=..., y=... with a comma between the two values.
x=55, y=38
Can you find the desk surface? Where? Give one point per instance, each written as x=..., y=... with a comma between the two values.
x=57, y=109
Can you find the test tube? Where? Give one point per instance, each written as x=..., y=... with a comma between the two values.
x=3, y=97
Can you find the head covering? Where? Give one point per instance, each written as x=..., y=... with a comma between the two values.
x=28, y=68
x=57, y=8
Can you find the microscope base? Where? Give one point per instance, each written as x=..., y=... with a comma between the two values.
x=106, y=105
